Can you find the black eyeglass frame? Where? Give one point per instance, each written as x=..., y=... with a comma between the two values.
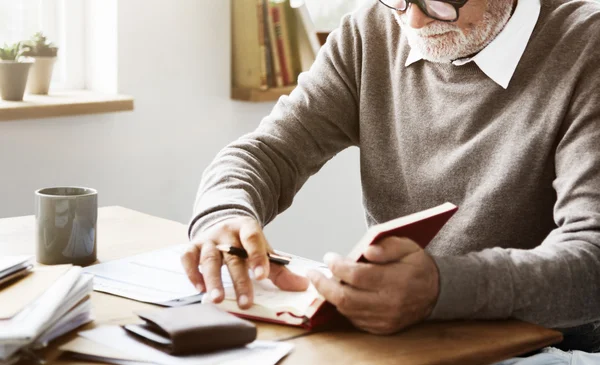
x=457, y=4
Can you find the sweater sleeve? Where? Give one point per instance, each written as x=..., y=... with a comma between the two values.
x=259, y=174
x=556, y=284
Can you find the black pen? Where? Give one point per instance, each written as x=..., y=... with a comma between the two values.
x=240, y=252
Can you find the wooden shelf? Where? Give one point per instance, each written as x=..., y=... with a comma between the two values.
x=257, y=95
x=64, y=103
x=271, y=94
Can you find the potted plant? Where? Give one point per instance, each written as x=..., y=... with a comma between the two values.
x=13, y=72
x=44, y=56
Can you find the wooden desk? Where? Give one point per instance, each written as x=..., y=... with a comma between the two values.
x=123, y=232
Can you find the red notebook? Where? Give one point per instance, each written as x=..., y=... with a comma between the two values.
x=309, y=309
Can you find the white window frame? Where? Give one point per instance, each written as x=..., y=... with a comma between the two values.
x=68, y=18
x=85, y=32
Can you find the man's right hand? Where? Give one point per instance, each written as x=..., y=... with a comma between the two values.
x=242, y=232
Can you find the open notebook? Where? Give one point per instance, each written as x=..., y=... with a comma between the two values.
x=309, y=309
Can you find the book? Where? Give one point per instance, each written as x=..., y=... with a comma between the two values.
x=247, y=64
x=268, y=56
x=292, y=31
x=260, y=15
x=282, y=37
x=309, y=309
x=274, y=49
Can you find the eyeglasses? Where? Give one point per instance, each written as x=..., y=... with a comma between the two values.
x=443, y=10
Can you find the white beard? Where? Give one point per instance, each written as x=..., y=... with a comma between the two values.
x=452, y=43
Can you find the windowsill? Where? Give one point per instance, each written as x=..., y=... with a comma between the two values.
x=64, y=103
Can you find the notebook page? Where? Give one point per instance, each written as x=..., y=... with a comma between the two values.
x=266, y=294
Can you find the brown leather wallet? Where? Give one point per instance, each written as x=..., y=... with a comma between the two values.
x=192, y=329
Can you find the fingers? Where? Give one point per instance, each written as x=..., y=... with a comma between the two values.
x=284, y=279
x=211, y=261
x=359, y=275
x=238, y=269
x=344, y=297
x=238, y=232
x=391, y=249
x=190, y=261
x=255, y=243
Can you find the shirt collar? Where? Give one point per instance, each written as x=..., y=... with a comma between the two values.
x=499, y=59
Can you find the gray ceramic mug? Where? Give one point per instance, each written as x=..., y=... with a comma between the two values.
x=65, y=219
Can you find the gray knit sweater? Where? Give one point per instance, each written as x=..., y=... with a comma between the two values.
x=522, y=164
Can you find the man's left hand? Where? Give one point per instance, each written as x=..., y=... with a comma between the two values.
x=398, y=287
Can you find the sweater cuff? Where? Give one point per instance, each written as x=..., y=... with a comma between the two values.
x=202, y=222
x=458, y=287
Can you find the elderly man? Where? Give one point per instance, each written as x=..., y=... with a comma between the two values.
x=493, y=105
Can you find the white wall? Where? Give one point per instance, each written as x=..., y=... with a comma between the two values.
x=173, y=57
x=326, y=15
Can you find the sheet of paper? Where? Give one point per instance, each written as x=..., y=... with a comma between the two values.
x=9, y=262
x=6, y=262
x=301, y=265
x=152, y=277
x=158, y=277
x=82, y=345
x=258, y=352
x=18, y=273
x=108, y=360
x=76, y=317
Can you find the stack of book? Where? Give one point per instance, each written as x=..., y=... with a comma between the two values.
x=39, y=307
x=272, y=42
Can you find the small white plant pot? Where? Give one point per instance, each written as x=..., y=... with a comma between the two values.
x=13, y=79
x=40, y=75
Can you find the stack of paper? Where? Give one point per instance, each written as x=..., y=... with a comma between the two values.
x=12, y=267
x=48, y=303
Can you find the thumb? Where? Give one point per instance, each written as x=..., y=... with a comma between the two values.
x=391, y=249
x=284, y=279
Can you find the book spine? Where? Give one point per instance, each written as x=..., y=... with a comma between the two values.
x=268, y=47
x=283, y=52
x=278, y=79
x=264, y=84
x=292, y=31
x=245, y=51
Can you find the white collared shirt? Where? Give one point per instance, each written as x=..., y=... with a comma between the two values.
x=499, y=59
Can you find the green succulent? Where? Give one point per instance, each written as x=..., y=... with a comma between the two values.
x=38, y=46
x=11, y=52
